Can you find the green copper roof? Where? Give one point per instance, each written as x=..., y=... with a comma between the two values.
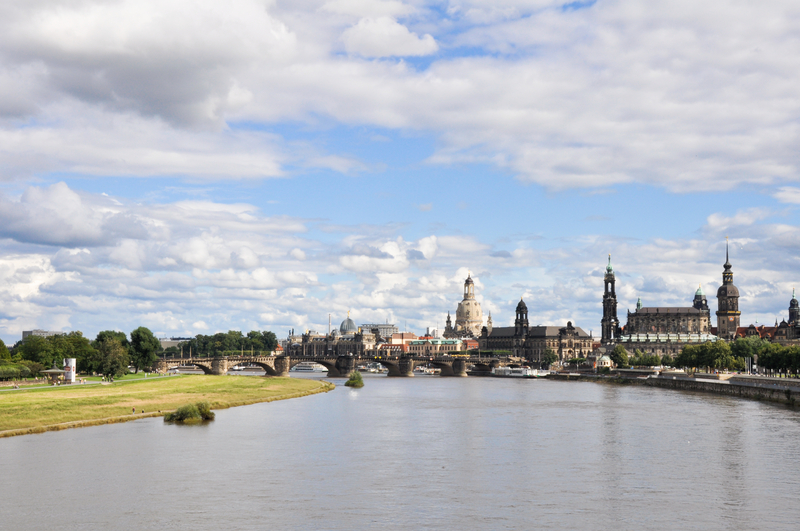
x=700, y=291
x=608, y=267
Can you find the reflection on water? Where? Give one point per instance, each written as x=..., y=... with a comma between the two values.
x=423, y=453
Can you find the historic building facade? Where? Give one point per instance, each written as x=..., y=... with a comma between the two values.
x=348, y=340
x=469, y=316
x=658, y=330
x=531, y=342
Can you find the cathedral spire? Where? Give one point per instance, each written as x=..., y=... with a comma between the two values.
x=727, y=264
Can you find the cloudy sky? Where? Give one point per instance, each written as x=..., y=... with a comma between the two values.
x=199, y=166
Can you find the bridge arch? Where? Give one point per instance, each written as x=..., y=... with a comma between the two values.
x=206, y=369
x=269, y=369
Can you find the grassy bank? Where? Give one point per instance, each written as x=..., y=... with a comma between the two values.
x=38, y=410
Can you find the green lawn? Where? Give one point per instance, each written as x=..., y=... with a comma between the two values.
x=38, y=408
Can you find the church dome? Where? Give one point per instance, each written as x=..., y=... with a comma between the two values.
x=521, y=306
x=699, y=292
x=793, y=303
x=348, y=326
x=727, y=290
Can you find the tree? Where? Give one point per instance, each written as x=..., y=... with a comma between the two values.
x=549, y=357
x=619, y=356
x=642, y=359
x=38, y=349
x=667, y=361
x=4, y=353
x=748, y=347
x=113, y=334
x=112, y=358
x=144, y=348
x=687, y=357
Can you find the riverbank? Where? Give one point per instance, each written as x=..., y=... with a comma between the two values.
x=50, y=409
x=780, y=390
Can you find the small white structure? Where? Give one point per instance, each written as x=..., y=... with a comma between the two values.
x=69, y=370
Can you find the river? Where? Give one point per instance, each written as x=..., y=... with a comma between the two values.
x=423, y=453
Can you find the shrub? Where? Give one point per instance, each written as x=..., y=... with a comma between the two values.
x=355, y=380
x=191, y=413
x=204, y=408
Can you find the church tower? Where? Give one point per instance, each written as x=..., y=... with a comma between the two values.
x=609, y=324
x=794, y=310
x=728, y=313
x=521, y=322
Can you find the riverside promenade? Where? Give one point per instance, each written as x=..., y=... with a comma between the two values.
x=781, y=390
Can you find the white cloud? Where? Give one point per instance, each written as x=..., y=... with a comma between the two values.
x=368, y=8
x=687, y=96
x=788, y=194
x=385, y=37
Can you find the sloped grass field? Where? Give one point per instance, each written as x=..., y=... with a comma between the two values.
x=38, y=410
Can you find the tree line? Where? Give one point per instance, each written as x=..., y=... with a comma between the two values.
x=110, y=354
x=771, y=358
x=231, y=343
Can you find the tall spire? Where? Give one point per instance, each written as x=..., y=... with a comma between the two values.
x=727, y=264
x=608, y=267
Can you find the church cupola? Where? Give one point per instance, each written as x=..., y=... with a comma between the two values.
x=469, y=288
x=700, y=302
x=521, y=322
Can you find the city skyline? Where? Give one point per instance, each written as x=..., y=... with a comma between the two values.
x=194, y=167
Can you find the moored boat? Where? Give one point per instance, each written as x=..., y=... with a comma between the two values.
x=515, y=372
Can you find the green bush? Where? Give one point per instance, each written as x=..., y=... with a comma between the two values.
x=184, y=414
x=204, y=408
x=191, y=413
x=355, y=380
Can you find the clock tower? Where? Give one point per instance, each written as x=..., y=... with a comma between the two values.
x=728, y=313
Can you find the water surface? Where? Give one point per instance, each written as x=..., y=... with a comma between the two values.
x=423, y=453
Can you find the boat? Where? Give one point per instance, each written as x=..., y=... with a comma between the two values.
x=515, y=372
x=308, y=366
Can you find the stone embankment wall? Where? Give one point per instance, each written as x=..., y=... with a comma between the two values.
x=760, y=389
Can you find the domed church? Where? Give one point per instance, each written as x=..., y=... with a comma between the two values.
x=348, y=327
x=469, y=316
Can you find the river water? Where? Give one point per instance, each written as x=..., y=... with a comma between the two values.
x=423, y=453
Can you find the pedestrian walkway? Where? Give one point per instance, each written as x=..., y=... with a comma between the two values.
x=76, y=384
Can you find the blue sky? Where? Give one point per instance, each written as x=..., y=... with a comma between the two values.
x=194, y=168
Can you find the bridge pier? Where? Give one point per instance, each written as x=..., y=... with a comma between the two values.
x=282, y=366
x=344, y=365
x=219, y=366
x=459, y=367
x=160, y=366
x=405, y=367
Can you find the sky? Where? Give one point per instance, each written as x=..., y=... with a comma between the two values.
x=203, y=166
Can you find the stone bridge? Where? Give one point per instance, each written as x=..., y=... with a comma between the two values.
x=340, y=366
